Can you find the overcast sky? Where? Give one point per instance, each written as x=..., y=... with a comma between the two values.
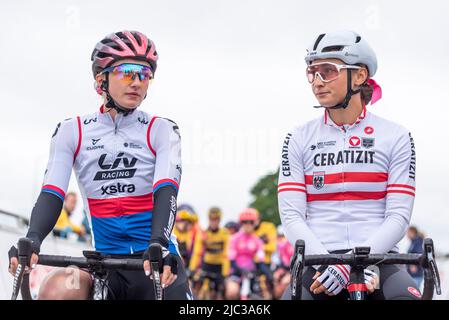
x=231, y=74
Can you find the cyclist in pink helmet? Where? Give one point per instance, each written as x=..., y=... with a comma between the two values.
x=245, y=253
x=128, y=166
x=115, y=50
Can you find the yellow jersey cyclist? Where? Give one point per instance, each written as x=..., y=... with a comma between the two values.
x=210, y=252
x=186, y=231
x=266, y=231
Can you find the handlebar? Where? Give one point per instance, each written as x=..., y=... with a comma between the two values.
x=95, y=262
x=361, y=258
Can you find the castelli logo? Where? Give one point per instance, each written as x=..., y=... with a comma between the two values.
x=354, y=141
x=369, y=130
x=414, y=291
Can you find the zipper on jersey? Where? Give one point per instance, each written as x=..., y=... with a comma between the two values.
x=345, y=129
x=118, y=119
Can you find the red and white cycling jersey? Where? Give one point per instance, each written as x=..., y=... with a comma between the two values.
x=117, y=172
x=346, y=186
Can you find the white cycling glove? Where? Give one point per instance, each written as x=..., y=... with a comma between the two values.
x=335, y=278
x=370, y=275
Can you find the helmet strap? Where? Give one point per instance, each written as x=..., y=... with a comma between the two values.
x=349, y=93
x=110, y=102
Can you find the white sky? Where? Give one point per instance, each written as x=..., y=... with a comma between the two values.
x=231, y=74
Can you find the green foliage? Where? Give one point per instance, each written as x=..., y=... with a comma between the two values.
x=266, y=198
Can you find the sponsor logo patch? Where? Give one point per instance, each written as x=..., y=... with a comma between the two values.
x=368, y=142
x=318, y=179
x=369, y=130
x=354, y=142
x=414, y=291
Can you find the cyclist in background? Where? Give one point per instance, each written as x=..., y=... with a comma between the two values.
x=266, y=231
x=210, y=254
x=245, y=253
x=281, y=275
x=232, y=227
x=186, y=218
x=64, y=225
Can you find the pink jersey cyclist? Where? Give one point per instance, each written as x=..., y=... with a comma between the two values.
x=285, y=252
x=245, y=253
x=244, y=248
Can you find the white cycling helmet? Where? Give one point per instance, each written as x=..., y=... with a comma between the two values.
x=347, y=46
x=280, y=230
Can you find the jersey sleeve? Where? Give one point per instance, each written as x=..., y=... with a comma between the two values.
x=400, y=196
x=225, y=261
x=232, y=248
x=260, y=253
x=270, y=246
x=292, y=196
x=63, y=147
x=166, y=143
x=197, y=253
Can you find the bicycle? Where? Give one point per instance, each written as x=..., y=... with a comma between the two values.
x=208, y=289
x=250, y=288
x=94, y=262
x=359, y=259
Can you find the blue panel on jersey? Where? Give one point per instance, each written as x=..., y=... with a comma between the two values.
x=125, y=234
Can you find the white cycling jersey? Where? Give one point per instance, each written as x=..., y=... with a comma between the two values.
x=346, y=186
x=118, y=172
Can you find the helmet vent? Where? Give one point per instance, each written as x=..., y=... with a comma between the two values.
x=138, y=39
x=357, y=40
x=317, y=42
x=332, y=48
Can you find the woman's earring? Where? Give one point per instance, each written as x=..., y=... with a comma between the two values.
x=97, y=88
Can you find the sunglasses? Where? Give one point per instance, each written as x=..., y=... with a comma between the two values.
x=247, y=222
x=128, y=71
x=327, y=71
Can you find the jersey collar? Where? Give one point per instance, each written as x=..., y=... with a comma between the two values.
x=328, y=120
x=120, y=119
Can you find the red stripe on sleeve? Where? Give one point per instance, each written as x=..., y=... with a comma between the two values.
x=401, y=191
x=291, y=184
x=148, y=136
x=401, y=186
x=54, y=188
x=79, y=139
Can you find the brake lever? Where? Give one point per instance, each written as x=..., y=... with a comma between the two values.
x=435, y=276
x=296, y=270
x=155, y=254
x=17, y=282
x=432, y=265
x=24, y=253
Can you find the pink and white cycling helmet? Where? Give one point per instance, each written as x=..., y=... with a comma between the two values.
x=122, y=45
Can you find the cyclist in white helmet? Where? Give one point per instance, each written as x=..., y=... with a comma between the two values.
x=347, y=179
